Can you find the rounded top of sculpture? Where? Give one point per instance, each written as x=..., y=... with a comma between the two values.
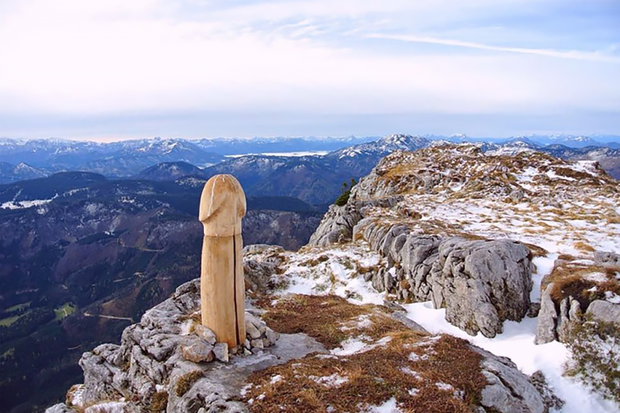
x=222, y=205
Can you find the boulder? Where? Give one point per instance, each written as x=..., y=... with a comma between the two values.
x=557, y=321
x=260, y=263
x=604, y=311
x=550, y=400
x=508, y=390
x=606, y=259
x=198, y=352
x=339, y=222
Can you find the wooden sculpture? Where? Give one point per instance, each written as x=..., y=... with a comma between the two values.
x=222, y=285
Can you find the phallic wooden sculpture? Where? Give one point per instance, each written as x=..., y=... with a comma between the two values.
x=222, y=285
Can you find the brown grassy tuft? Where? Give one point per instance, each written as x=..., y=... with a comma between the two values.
x=535, y=250
x=580, y=245
x=315, y=261
x=186, y=382
x=570, y=280
x=321, y=317
x=159, y=402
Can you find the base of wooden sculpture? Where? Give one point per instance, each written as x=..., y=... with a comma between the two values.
x=223, y=297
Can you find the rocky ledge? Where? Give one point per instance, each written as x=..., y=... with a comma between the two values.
x=481, y=283
x=170, y=362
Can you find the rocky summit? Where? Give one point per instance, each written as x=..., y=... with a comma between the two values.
x=454, y=221
x=454, y=279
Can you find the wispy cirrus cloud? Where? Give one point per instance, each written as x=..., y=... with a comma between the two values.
x=571, y=54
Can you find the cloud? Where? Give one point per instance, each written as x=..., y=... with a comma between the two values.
x=99, y=58
x=573, y=54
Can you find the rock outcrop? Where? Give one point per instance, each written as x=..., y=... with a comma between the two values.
x=480, y=283
x=508, y=390
x=441, y=216
x=339, y=222
x=161, y=363
x=578, y=292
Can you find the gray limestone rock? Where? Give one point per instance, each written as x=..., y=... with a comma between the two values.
x=606, y=259
x=481, y=283
x=251, y=330
x=402, y=317
x=556, y=322
x=336, y=226
x=198, y=352
x=221, y=352
x=508, y=390
x=59, y=408
x=205, y=333
x=260, y=263
x=261, y=248
x=550, y=400
x=534, y=310
x=547, y=318
x=163, y=347
x=604, y=311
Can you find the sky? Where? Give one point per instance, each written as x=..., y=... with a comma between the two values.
x=115, y=69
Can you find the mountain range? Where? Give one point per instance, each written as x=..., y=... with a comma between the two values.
x=27, y=159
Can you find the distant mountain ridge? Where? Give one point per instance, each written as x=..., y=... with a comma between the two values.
x=237, y=146
x=20, y=172
x=314, y=179
x=317, y=179
x=127, y=158
x=170, y=171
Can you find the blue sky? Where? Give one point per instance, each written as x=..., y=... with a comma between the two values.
x=200, y=68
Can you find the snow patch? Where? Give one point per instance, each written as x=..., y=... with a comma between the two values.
x=389, y=406
x=334, y=380
x=612, y=297
x=26, y=204
x=358, y=345
x=275, y=379
x=597, y=277
x=108, y=407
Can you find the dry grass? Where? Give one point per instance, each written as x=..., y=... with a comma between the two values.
x=572, y=173
x=371, y=377
x=535, y=250
x=313, y=262
x=323, y=318
x=582, y=246
x=159, y=402
x=613, y=220
x=186, y=382
x=571, y=280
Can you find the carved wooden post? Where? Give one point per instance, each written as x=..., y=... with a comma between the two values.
x=222, y=285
